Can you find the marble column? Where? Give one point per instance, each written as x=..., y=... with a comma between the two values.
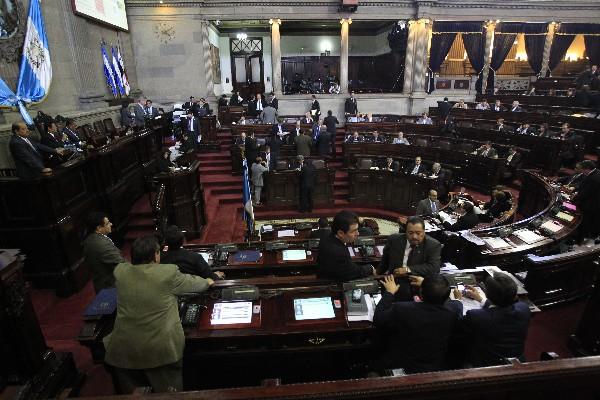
x=421, y=52
x=410, y=56
x=208, y=67
x=547, y=47
x=489, y=46
x=276, y=55
x=344, y=54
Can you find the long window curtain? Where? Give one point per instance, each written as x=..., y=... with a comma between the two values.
x=503, y=42
x=440, y=46
x=560, y=45
x=534, y=47
x=592, y=48
x=475, y=48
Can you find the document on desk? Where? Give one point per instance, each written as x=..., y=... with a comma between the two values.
x=564, y=216
x=468, y=303
x=286, y=233
x=496, y=243
x=293, y=255
x=313, y=308
x=468, y=235
x=447, y=217
x=551, y=226
x=429, y=226
x=528, y=236
x=238, y=312
x=266, y=228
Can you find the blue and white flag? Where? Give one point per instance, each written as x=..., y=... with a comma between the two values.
x=123, y=73
x=108, y=73
x=247, y=200
x=117, y=71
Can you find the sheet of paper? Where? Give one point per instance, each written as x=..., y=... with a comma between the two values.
x=564, y=216
x=351, y=251
x=495, y=243
x=528, y=236
x=206, y=256
x=286, y=233
x=447, y=217
x=293, y=255
x=468, y=235
x=429, y=226
x=552, y=226
x=267, y=228
x=313, y=308
x=238, y=312
x=468, y=303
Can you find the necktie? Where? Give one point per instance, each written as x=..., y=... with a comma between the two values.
x=433, y=207
x=415, y=170
x=30, y=145
x=259, y=106
x=191, y=125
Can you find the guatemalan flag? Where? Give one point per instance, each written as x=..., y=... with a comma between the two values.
x=247, y=199
x=36, y=70
x=108, y=73
x=117, y=71
x=126, y=87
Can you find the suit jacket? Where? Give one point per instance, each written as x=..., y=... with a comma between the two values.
x=257, y=174
x=324, y=143
x=496, y=208
x=516, y=109
x=352, y=139
x=275, y=103
x=126, y=118
x=371, y=139
x=188, y=262
x=330, y=122
x=235, y=100
x=495, y=333
x=308, y=176
x=275, y=128
x=147, y=331
x=490, y=154
x=251, y=150
x=424, y=259
x=422, y=169
x=191, y=144
x=275, y=143
x=152, y=112
x=72, y=135
x=467, y=221
x=102, y=256
x=48, y=139
x=419, y=333
x=139, y=115
x=315, y=108
x=303, y=145
x=350, y=106
x=316, y=131
x=195, y=126
x=497, y=108
x=515, y=161
x=588, y=194
x=269, y=115
x=334, y=262
x=444, y=108
x=255, y=107
x=395, y=166
x=28, y=160
x=320, y=233
x=424, y=207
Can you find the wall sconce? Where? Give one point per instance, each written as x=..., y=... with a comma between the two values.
x=242, y=36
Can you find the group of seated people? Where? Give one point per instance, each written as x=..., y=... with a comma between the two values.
x=422, y=327
x=375, y=137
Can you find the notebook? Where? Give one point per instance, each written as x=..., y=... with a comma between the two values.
x=245, y=256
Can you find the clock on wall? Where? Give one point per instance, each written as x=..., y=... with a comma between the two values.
x=164, y=31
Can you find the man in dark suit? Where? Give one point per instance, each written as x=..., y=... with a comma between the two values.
x=324, y=142
x=466, y=221
x=27, y=154
x=418, y=333
x=417, y=167
x=100, y=253
x=308, y=176
x=70, y=130
x=236, y=99
x=588, y=199
x=204, y=108
x=51, y=137
x=486, y=150
x=498, y=106
x=497, y=205
x=188, y=104
x=498, y=330
x=444, y=108
x=513, y=162
x=251, y=148
x=223, y=102
x=572, y=181
x=331, y=122
x=189, y=262
x=350, y=106
x=333, y=259
x=430, y=205
x=587, y=76
x=354, y=138
x=390, y=165
x=303, y=145
x=375, y=138
x=192, y=125
x=139, y=112
x=412, y=252
x=515, y=107
x=526, y=129
x=323, y=231
x=315, y=108
x=275, y=144
x=297, y=131
x=259, y=104
x=151, y=111
x=273, y=101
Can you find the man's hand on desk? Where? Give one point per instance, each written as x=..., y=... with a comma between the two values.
x=390, y=284
x=415, y=280
x=220, y=274
x=471, y=292
x=401, y=271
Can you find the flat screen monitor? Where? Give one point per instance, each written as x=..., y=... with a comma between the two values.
x=110, y=12
x=313, y=308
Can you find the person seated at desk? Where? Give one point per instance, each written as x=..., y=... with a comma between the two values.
x=164, y=163
x=498, y=330
x=424, y=120
x=70, y=130
x=236, y=99
x=52, y=138
x=498, y=106
x=323, y=231
x=354, y=138
x=145, y=347
x=242, y=121
x=418, y=333
x=545, y=131
x=526, y=129
x=333, y=260
x=375, y=138
x=188, y=143
x=429, y=206
x=400, y=139
x=188, y=261
x=390, y=165
x=515, y=107
x=497, y=206
x=223, y=102
x=461, y=104
x=241, y=141
x=364, y=228
x=417, y=167
x=500, y=127
x=571, y=182
x=483, y=105
x=412, y=252
x=467, y=220
x=486, y=150
x=27, y=153
x=307, y=119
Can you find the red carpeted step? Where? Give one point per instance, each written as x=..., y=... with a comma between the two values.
x=229, y=189
x=134, y=233
x=229, y=198
x=222, y=169
x=214, y=163
x=140, y=221
x=142, y=206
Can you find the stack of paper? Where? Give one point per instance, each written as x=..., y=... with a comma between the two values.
x=467, y=302
x=496, y=243
x=551, y=226
x=286, y=233
x=528, y=236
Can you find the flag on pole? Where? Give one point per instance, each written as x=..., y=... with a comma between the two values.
x=126, y=87
x=108, y=73
x=35, y=75
x=247, y=200
x=117, y=72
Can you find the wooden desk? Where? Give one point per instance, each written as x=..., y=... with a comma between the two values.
x=282, y=188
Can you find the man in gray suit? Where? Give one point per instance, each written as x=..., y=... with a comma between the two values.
x=145, y=347
x=258, y=169
x=269, y=115
x=139, y=111
x=430, y=205
x=100, y=252
x=303, y=145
